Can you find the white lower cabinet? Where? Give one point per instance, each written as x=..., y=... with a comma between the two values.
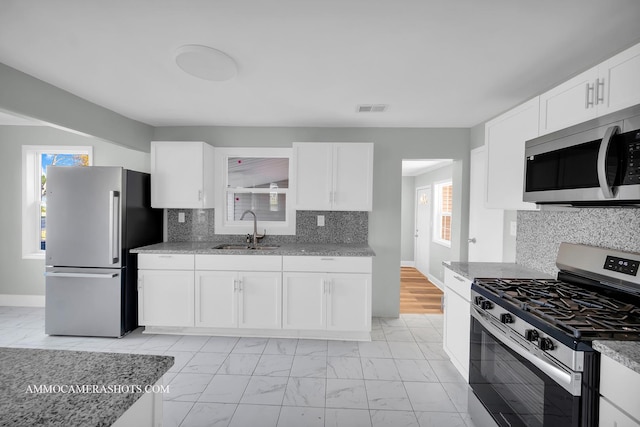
x=331, y=293
x=250, y=295
x=165, y=290
x=619, y=387
x=327, y=301
x=457, y=320
x=226, y=299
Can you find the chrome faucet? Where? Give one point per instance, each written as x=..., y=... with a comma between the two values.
x=255, y=236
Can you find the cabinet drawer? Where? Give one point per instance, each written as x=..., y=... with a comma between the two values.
x=327, y=264
x=165, y=262
x=239, y=262
x=620, y=384
x=458, y=283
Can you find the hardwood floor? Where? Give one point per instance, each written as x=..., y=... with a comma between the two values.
x=417, y=294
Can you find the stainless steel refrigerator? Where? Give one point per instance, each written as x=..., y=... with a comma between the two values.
x=95, y=215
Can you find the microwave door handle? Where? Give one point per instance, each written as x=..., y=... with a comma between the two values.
x=607, y=190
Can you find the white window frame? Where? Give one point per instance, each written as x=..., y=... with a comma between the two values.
x=437, y=212
x=31, y=175
x=224, y=226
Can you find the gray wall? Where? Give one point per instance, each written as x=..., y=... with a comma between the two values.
x=27, y=96
x=408, y=221
x=437, y=252
x=26, y=277
x=391, y=146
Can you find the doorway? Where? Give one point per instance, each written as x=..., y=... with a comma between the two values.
x=418, y=295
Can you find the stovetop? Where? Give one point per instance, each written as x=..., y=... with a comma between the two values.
x=582, y=313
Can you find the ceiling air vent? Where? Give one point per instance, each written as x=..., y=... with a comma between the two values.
x=372, y=108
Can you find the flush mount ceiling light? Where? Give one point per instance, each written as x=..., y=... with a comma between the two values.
x=206, y=63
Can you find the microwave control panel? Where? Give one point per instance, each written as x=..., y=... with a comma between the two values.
x=632, y=174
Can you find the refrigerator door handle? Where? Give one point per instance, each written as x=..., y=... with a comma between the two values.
x=114, y=227
x=81, y=275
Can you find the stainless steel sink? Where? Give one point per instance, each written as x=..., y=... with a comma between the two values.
x=245, y=247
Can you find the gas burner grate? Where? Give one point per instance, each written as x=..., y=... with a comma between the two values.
x=580, y=312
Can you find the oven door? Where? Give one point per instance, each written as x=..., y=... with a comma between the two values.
x=513, y=386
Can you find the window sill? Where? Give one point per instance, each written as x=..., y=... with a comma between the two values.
x=443, y=243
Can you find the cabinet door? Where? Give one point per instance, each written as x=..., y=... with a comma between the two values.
x=456, y=331
x=304, y=304
x=611, y=416
x=620, y=85
x=165, y=298
x=216, y=299
x=260, y=300
x=313, y=175
x=349, y=302
x=352, y=176
x=505, y=138
x=570, y=103
x=177, y=174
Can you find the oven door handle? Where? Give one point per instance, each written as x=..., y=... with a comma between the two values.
x=565, y=379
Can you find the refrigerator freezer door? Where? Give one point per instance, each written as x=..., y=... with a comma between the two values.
x=84, y=215
x=85, y=302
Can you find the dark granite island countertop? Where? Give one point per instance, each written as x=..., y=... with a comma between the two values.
x=287, y=249
x=72, y=388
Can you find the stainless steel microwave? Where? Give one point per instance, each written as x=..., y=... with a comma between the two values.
x=595, y=163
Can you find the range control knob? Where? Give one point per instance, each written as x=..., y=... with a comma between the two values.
x=478, y=300
x=486, y=305
x=531, y=335
x=545, y=344
x=506, y=318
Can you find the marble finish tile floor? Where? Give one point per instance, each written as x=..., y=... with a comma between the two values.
x=402, y=378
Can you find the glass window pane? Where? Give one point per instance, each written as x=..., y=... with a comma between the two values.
x=267, y=206
x=257, y=172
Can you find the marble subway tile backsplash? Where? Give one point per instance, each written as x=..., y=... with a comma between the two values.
x=541, y=232
x=340, y=227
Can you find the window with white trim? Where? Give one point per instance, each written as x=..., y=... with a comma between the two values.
x=35, y=160
x=255, y=179
x=443, y=206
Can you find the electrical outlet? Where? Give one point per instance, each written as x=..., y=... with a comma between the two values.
x=180, y=216
x=514, y=228
x=320, y=220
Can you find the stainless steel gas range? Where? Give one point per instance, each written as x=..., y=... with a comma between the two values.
x=531, y=360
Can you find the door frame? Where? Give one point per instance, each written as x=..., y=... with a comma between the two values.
x=428, y=189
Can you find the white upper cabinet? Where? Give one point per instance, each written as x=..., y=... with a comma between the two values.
x=505, y=138
x=182, y=174
x=608, y=87
x=621, y=79
x=334, y=176
x=570, y=103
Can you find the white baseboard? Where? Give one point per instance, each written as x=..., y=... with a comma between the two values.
x=21, y=300
x=407, y=263
x=436, y=282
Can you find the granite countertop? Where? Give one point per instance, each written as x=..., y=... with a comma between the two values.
x=308, y=249
x=26, y=373
x=474, y=270
x=626, y=353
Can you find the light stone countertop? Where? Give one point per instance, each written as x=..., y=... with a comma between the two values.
x=294, y=249
x=23, y=370
x=626, y=353
x=501, y=270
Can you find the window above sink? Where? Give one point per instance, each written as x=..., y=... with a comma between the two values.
x=256, y=179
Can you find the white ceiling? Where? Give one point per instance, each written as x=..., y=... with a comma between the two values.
x=418, y=167
x=436, y=63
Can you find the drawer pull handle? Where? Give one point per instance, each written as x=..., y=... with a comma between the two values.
x=327, y=259
x=458, y=278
